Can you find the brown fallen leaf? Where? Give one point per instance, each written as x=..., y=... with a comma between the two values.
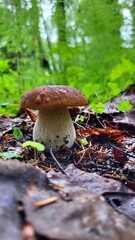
x=31, y=114
x=120, y=157
x=106, y=133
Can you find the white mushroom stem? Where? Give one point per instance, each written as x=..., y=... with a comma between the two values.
x=54, y=128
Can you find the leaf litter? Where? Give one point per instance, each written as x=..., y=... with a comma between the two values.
x=95, y=199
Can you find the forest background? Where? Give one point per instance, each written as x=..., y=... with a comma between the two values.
x=87, y=44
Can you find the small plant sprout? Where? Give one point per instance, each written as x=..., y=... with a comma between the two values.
x=124, y=106
x=115, y=90
x=38, y=147
x=84, y=141
x=17, y=133
x=79, y=119
x=98, y=108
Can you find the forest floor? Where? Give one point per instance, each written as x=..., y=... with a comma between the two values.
x=94, y=195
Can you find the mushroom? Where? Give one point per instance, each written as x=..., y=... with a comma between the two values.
x=54, y=126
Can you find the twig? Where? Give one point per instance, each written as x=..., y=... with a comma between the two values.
x=81, y=158
x=128, y=154
x=46, y=201
x=56, y=161
x=79, y=125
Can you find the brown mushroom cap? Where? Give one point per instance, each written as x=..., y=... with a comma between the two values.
x=53, y=97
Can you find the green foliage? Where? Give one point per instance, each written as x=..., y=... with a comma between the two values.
x=89, y=90
x=4, y=67
x=17, y=133
x=38, y=146
x=98, y=108
x=124, y=106
x=124, y=67
x=77, y=43
x=8, y=155
x=115, y=90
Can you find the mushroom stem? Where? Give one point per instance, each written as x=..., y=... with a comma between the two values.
x=54, y=128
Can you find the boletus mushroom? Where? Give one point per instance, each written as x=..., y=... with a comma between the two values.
x=54, y=126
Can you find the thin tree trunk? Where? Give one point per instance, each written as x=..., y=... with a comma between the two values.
x=61, y=20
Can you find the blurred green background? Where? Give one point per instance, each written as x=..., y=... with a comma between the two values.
x=87, y=44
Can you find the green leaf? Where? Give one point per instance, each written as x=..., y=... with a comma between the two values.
x=38, y=146
x=79, y=119
x=114, y=87
x=17, y=133
x=8, y=155
x=89, y=90
x=84, y=141
x=98, y=108
x=124, y=106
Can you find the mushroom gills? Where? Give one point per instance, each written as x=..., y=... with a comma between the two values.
x=54, y=128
